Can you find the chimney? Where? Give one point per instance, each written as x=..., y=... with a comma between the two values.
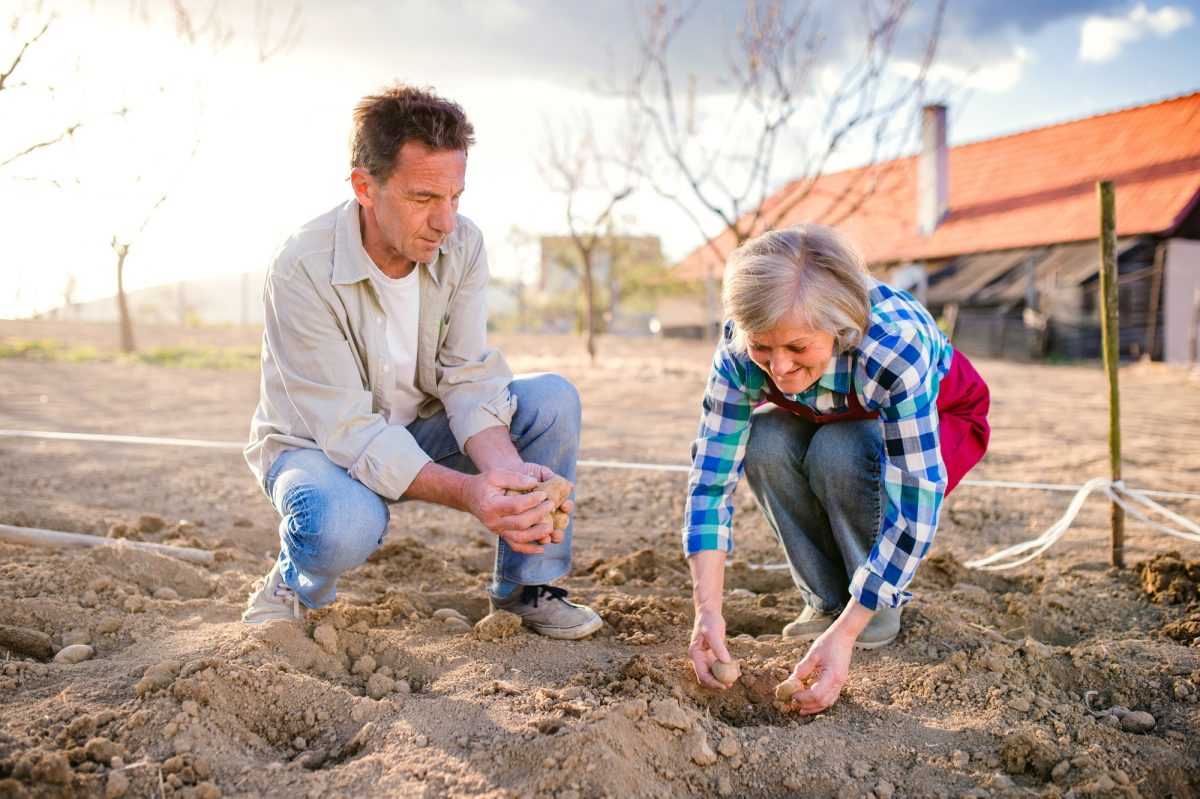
x=933, y=170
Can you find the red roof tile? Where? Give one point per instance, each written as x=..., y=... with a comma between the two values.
x=1023, y=190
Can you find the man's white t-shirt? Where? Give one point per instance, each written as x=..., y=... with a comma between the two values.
x=401, y=299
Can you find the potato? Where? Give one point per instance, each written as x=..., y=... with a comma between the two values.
x=786, y=689
x=791, y=686
x=557, y=490
x=726, y=673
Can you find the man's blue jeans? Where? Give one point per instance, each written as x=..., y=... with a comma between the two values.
x=332, y=523
x=821, y=489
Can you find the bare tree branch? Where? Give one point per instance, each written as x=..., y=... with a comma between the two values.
x=270, y=45
x=727, y=169
x=4, y=76
x=572, y=166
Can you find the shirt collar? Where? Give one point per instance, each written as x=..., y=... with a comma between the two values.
x=837, y=373
x=350, y=260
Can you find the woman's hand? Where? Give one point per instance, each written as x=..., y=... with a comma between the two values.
x=708, y=644
x=829, y=659
x=708, y=630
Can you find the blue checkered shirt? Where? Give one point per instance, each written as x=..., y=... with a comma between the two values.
x=896, y=370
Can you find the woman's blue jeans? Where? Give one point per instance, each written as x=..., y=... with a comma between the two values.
x=332, y=523
x=821, y=489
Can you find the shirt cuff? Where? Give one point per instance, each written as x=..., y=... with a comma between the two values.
x=699, y=539
x=497, y=412
x=390, y=464
x=873, y=592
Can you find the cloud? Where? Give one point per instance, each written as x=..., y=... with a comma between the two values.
x=987, y=17
x=996, y=77
x=1102, y=38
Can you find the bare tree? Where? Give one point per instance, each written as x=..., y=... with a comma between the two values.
x=726, y=173
x=31, y=24
x=201, y=25
x=575, y=167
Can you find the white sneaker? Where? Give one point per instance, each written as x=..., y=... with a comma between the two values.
x=809, y=625
x=546, y=610
x=272, y=599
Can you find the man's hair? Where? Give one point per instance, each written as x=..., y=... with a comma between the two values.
x=809, y=274
x=384, y=122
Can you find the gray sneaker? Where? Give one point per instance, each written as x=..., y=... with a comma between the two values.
x=545, y=609
x=808, y=626
x=272, y=599
x=881, y=630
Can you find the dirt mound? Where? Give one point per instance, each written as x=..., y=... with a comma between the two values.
x=1170, y=579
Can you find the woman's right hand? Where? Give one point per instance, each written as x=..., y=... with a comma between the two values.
x=708, y=645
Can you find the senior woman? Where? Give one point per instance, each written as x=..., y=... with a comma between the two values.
x=851, y=416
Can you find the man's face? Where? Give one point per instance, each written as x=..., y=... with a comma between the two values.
x=409, y=216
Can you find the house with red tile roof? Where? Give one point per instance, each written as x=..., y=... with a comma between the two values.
x=1001, y=234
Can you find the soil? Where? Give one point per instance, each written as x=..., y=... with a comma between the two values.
x=380, y=694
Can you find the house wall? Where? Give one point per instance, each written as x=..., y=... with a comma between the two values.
x=1181, y=281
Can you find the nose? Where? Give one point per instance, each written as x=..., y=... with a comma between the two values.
x=780, y=363
x=442, y=218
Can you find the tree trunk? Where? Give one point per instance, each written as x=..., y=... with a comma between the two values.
x=589, y=299
x=122, y=304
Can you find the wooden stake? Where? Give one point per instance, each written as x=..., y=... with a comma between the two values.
x=31, y=536
x=1111, y=334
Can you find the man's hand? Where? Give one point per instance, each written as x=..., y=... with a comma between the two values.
x=518, y=519
x=543, y=474
x=708, y=644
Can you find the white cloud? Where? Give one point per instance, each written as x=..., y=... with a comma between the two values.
x=1102, y=38
x=996, y=77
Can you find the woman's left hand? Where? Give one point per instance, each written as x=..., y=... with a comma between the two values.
x=829, y=659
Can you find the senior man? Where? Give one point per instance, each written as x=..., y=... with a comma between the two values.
x=378, y=384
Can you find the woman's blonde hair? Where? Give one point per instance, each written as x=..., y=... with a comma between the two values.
x=807, y=274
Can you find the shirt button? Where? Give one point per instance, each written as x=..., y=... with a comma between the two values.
x=379, y=319
x=387, y=368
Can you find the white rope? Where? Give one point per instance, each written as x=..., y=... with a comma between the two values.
x=652, y=467
x=1007, y=558
x=109, y=439
x=1022, y=553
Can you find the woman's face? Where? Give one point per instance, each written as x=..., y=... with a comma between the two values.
x=794, y=355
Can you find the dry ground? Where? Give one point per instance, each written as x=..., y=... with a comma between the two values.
x=982, y=694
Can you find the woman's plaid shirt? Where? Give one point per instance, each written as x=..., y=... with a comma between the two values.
x=895, y=369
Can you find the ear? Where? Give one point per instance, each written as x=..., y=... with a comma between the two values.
x=364, y=186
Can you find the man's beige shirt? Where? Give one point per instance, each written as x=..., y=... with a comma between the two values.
x=327, y=377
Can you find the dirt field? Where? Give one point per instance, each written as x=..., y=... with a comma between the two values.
x=982, y=695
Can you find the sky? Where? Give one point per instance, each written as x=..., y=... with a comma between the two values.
x=246, y=150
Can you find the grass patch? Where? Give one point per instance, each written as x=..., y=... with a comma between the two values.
x=233, y=358
x=46, y=350
x=179, y=357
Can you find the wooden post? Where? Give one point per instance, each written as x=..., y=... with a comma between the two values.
x=1111, y=334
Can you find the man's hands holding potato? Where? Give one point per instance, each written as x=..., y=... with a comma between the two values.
x=514, y=505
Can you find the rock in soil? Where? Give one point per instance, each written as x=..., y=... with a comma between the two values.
x=26, y=642
x=497, y=624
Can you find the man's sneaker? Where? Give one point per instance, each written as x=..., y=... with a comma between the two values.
x=545, y=609
x=881, y=630
x=272, y=599
x=808, y=626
